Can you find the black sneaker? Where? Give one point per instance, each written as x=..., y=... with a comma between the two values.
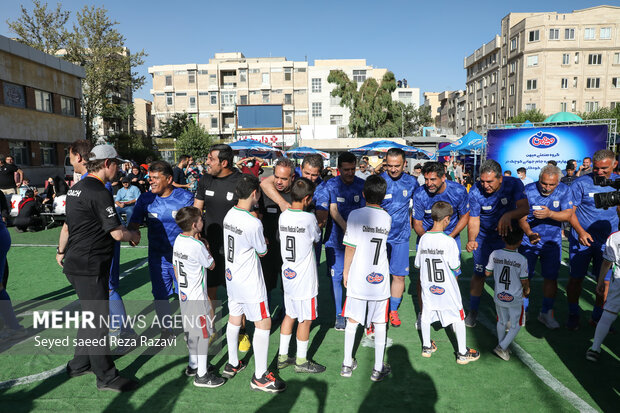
x=119, y=385
x=572, y=323
x=592, y=355
x=282, y=364
x=77, y=373
x=231, y=371
x=380, y=375
x=190, y=372
x=267, y=383
x=472, y=317
x=167, y=335
x=309, y=367
x=209, y=380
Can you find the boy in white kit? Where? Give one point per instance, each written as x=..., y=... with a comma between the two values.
x=612, y=303
x=439, y=260
x=366, y=276
x=190, y=258
x=509, y=269
x=243, y=244
x=299, y=231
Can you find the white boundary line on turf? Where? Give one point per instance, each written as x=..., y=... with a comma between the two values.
x=54, y=246
x=57, y=370
x=543, y=374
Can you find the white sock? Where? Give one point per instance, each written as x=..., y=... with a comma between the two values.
x=602, y=328
x=510, y=336
x=425, y=328
x=232, y=340
x=193, y=352
x=203, y=351
x=302, y=349
x=285, y=340
x=459, y=330
x=261, y=350
x=349, y=340
x=501, y=332
x=380, y=338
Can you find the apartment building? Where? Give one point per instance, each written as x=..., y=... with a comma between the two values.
x=407, y=96
x=548, y=61
x=210, y=92
x=142, y=117
x=448, y=111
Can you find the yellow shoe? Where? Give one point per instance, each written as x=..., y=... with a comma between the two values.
x=244, y=343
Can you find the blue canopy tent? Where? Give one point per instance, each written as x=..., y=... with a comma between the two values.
x=527, y=124
x=249, y=147
x=380, y=148
x=300, y=152
x=470, y=144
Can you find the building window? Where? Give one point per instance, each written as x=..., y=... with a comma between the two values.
x=591, y=106
x=288, y=73
x=563, y=107
x=566, y=58
x=530, y=106
x=169, y=99
x=265, y=79
x=288, y=117
x=575, y=81
x=493, y=118
x=14, y=95
x=511, y=111
x=212, y=80
x=593, y=83
x=534, y=36
x=67, y=106
x=492, y=98
x=48, y=153
x=605, y=33
x=478, y=104
x=532, y=60
x=569, y=34
x=243, y=99
x=359, y=76
x=615, y=82
x=168, y=80
x=316, y=109
x=335, y=119
x=486, y=101
x=564, y=83
x=503, y=82
x=228, y=98
x=191, y=77
x=192, y=102
x=43, y=101
x=180, y=94
x=300, y=69
x=511, y=90
x=513, y=43
x=589, y=33
x=493, y=78
x=479, y=84
x=531, y=84
x=316, y=85
x=288, y=98
x=573, y=106
x=265, y=96
x=213, y=98
x=214, y=122
x=576, y=57
x=554, y=34
x=243, y=75
x=19, y=152
x=513, y=67
x=595, y=59
x=616, y=58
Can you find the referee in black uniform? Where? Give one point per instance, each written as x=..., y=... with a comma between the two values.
x=86, y=255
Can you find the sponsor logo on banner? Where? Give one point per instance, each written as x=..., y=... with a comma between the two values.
x=374, y=278
x=437, y=290
x=505, y=297
x=228, y=274
x=476, y=142
x=543, y=140
x=289, y=274
x=183, y=296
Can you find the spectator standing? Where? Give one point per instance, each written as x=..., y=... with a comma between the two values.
x=8, y=170
x=569, y=174
x=178, y=173
x=586, y=167
x=251, y=165
x=522, y=172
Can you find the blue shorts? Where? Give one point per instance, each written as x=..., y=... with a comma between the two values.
x=580, y=257
x=161, y=270
x=481, y=255
x=549, y=254
x=398, y=255
x=115, y=267
x=335, y=262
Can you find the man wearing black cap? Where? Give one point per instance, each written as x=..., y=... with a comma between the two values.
x=85, y=255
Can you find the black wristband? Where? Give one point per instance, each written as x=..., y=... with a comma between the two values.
x=59, y=252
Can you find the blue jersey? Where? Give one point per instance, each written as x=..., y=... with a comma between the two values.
x=321, y=197
x=160, y=213
x=550, y=230
x=599, y=223
x=347, y=198
x=491, y=207
x=397, y=203
x=454, y=194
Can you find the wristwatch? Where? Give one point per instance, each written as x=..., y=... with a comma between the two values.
x=59, y=252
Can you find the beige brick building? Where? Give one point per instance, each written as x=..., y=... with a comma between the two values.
x=548, y=61
x=142, y=117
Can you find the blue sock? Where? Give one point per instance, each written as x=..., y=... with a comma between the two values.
x=117, y=312
x=337, y=286
x=547, y=305
x=474, y=303
x=573, y=309
x=597, y=312
x=6, y=310
x=526, y=303
x=394, y=303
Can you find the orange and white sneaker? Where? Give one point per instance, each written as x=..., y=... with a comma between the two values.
x=394, y=319
x=470, y=355
x=267, y=383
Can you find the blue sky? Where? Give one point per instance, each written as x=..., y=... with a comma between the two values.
x=423, y=42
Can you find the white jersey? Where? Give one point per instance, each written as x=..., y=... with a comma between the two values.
x=508, y=268
x=243, y=243
x=369, y=275
x=612, y=254
x=190, y=258
x=299, y=231
x=439, y=260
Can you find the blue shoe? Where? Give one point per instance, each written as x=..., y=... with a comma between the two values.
x=341, y=323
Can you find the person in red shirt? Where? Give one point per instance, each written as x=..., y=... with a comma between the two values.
x=251, y=165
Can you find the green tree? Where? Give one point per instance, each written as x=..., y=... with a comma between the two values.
x=194, y=141
x=533, y=115
x=603, y=113
x=42, y=29
x=135, y=147
x=176, y=125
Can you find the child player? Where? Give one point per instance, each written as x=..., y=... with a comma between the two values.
x=509, y=269
x=243, y=244
x=366, y=275
x=299, y=230
x=190, y=258
x=438, y=258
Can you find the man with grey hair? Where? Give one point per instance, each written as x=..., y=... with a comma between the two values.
x=551, y=204
x=495, y=201
x=363, y=171
x=590, y=228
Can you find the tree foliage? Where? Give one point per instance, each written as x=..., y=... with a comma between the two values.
x=135, y=147
x=603, y=113
x=42, y=29
x=533, y=115
x=176, y=125
x=194, y=141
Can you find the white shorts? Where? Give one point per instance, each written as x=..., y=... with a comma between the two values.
x=446, y=317
x=302, y=310
x=197, y=318
x=612, y=303
x=252, y=311
x=355, y=309
x=513, y=314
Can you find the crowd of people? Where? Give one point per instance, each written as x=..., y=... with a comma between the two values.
x=251, y=235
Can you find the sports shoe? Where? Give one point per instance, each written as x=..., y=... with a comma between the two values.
x=119, y=385
x=166, y=335
x=347, y=371
x=231, y=371
x=9, y=334
x=428, y=351
x=394, y=319
x=380, y=375
x=77, y=373
x=267, y=383
x=244, y=343
x=284, y=363
x=592, y=355
x=548, y=320
x=209, y=380
x=190, y=372
x=309, y=367
x=470, y=355
x=341, y=323
x=370, y=332
x=573, y=322
x=472, y=317
x=501, y=353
